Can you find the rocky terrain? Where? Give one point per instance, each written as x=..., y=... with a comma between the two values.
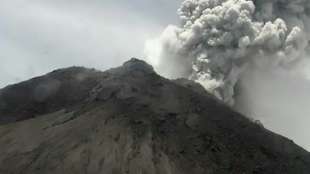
x=129, y=120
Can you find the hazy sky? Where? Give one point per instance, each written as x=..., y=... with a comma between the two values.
x=37, y=36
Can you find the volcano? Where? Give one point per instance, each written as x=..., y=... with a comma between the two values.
x=130, y=120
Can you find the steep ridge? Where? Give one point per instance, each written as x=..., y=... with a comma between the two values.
x=129, y=120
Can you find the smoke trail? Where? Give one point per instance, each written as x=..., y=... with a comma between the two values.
x=218, y=41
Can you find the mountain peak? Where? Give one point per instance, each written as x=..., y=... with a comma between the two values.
x=135, y=64
x=131, y=120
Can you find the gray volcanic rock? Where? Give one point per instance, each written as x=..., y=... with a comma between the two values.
x=129, y=120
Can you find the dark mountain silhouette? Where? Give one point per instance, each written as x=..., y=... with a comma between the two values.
x=129, y=120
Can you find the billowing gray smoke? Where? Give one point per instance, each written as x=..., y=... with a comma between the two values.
x=219, y=40
x=252, y=54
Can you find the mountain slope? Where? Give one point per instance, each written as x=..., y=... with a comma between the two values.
x=129, y=120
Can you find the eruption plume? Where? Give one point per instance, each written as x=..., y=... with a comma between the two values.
x=219, y=41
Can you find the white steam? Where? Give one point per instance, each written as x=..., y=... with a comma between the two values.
x=220, y=43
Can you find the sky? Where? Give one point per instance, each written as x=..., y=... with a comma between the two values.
x=38, y=36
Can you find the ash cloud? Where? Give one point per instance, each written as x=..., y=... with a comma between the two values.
x=229, y=45
x=218, y=39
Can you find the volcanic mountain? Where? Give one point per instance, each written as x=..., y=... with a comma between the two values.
x=130, y=120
